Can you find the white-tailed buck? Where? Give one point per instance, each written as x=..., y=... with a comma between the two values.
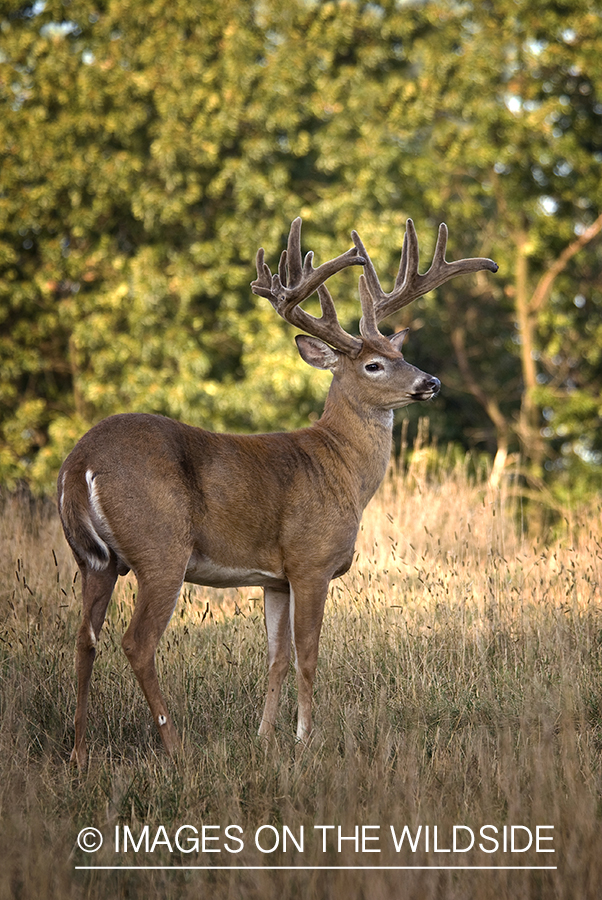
x=175, y=503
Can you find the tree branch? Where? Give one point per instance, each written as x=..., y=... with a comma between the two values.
x=545, y=283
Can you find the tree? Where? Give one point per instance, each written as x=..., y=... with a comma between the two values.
x=517, y=141
x=148, y=150
x=142, y=149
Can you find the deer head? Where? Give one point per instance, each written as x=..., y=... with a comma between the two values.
x=329, y=345
x=176, y=503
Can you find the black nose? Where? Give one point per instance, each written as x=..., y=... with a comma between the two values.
x=434, y=385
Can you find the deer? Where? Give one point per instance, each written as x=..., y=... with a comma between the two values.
x=173, y=503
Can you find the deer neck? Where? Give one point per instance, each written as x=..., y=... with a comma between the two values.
x=361, y=435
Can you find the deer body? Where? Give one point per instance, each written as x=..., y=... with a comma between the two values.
x=175, y=503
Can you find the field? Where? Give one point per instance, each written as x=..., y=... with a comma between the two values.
x=459, y=684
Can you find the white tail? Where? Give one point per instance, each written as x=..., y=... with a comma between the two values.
x=175, y=503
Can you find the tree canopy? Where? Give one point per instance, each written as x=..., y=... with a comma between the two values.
x=148, y=150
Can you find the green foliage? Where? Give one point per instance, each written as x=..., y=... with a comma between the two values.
x=147, y=150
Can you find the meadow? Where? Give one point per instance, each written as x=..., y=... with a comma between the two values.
x=459, y=684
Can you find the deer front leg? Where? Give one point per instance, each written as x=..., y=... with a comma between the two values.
x=277, y=625
x=306, y=614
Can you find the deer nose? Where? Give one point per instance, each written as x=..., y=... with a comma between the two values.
x=434, y=385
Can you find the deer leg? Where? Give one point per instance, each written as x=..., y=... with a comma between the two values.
x=306, y=614
x=278, y=628
x=157, y=598
x=97, y=587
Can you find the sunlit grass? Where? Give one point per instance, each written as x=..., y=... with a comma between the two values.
x=459, y=683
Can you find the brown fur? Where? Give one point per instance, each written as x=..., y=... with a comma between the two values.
x=277, y=510
x=280, y=511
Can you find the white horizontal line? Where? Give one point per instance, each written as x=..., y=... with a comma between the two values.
x=330, y=868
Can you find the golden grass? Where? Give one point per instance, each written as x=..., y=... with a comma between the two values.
x=459, y=683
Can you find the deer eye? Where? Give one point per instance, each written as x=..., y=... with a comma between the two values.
x=373, y=367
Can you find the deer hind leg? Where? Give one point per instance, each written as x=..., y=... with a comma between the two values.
x=306, y=614
x=157, y=598
x=277, y=625
x=97, y=587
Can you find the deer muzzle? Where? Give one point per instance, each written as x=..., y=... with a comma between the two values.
x=428, y=389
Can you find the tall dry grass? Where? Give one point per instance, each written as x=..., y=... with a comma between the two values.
x=459, y=683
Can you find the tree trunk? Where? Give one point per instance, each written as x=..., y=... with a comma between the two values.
x=528, y=420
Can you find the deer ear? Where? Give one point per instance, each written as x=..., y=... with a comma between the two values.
x=398, y=339
x=316, y=353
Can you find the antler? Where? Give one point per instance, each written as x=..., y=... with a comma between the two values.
x=409, y=284
x=296, y=280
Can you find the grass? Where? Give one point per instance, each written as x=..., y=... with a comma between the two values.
x=459, y=684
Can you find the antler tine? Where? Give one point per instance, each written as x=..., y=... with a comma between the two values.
x=297, y=280
x=409, y=284
x=441, y=245
x=282, y=270
x=293, y=252
x=410, y=256
x=370, y=288
x=368, y=323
